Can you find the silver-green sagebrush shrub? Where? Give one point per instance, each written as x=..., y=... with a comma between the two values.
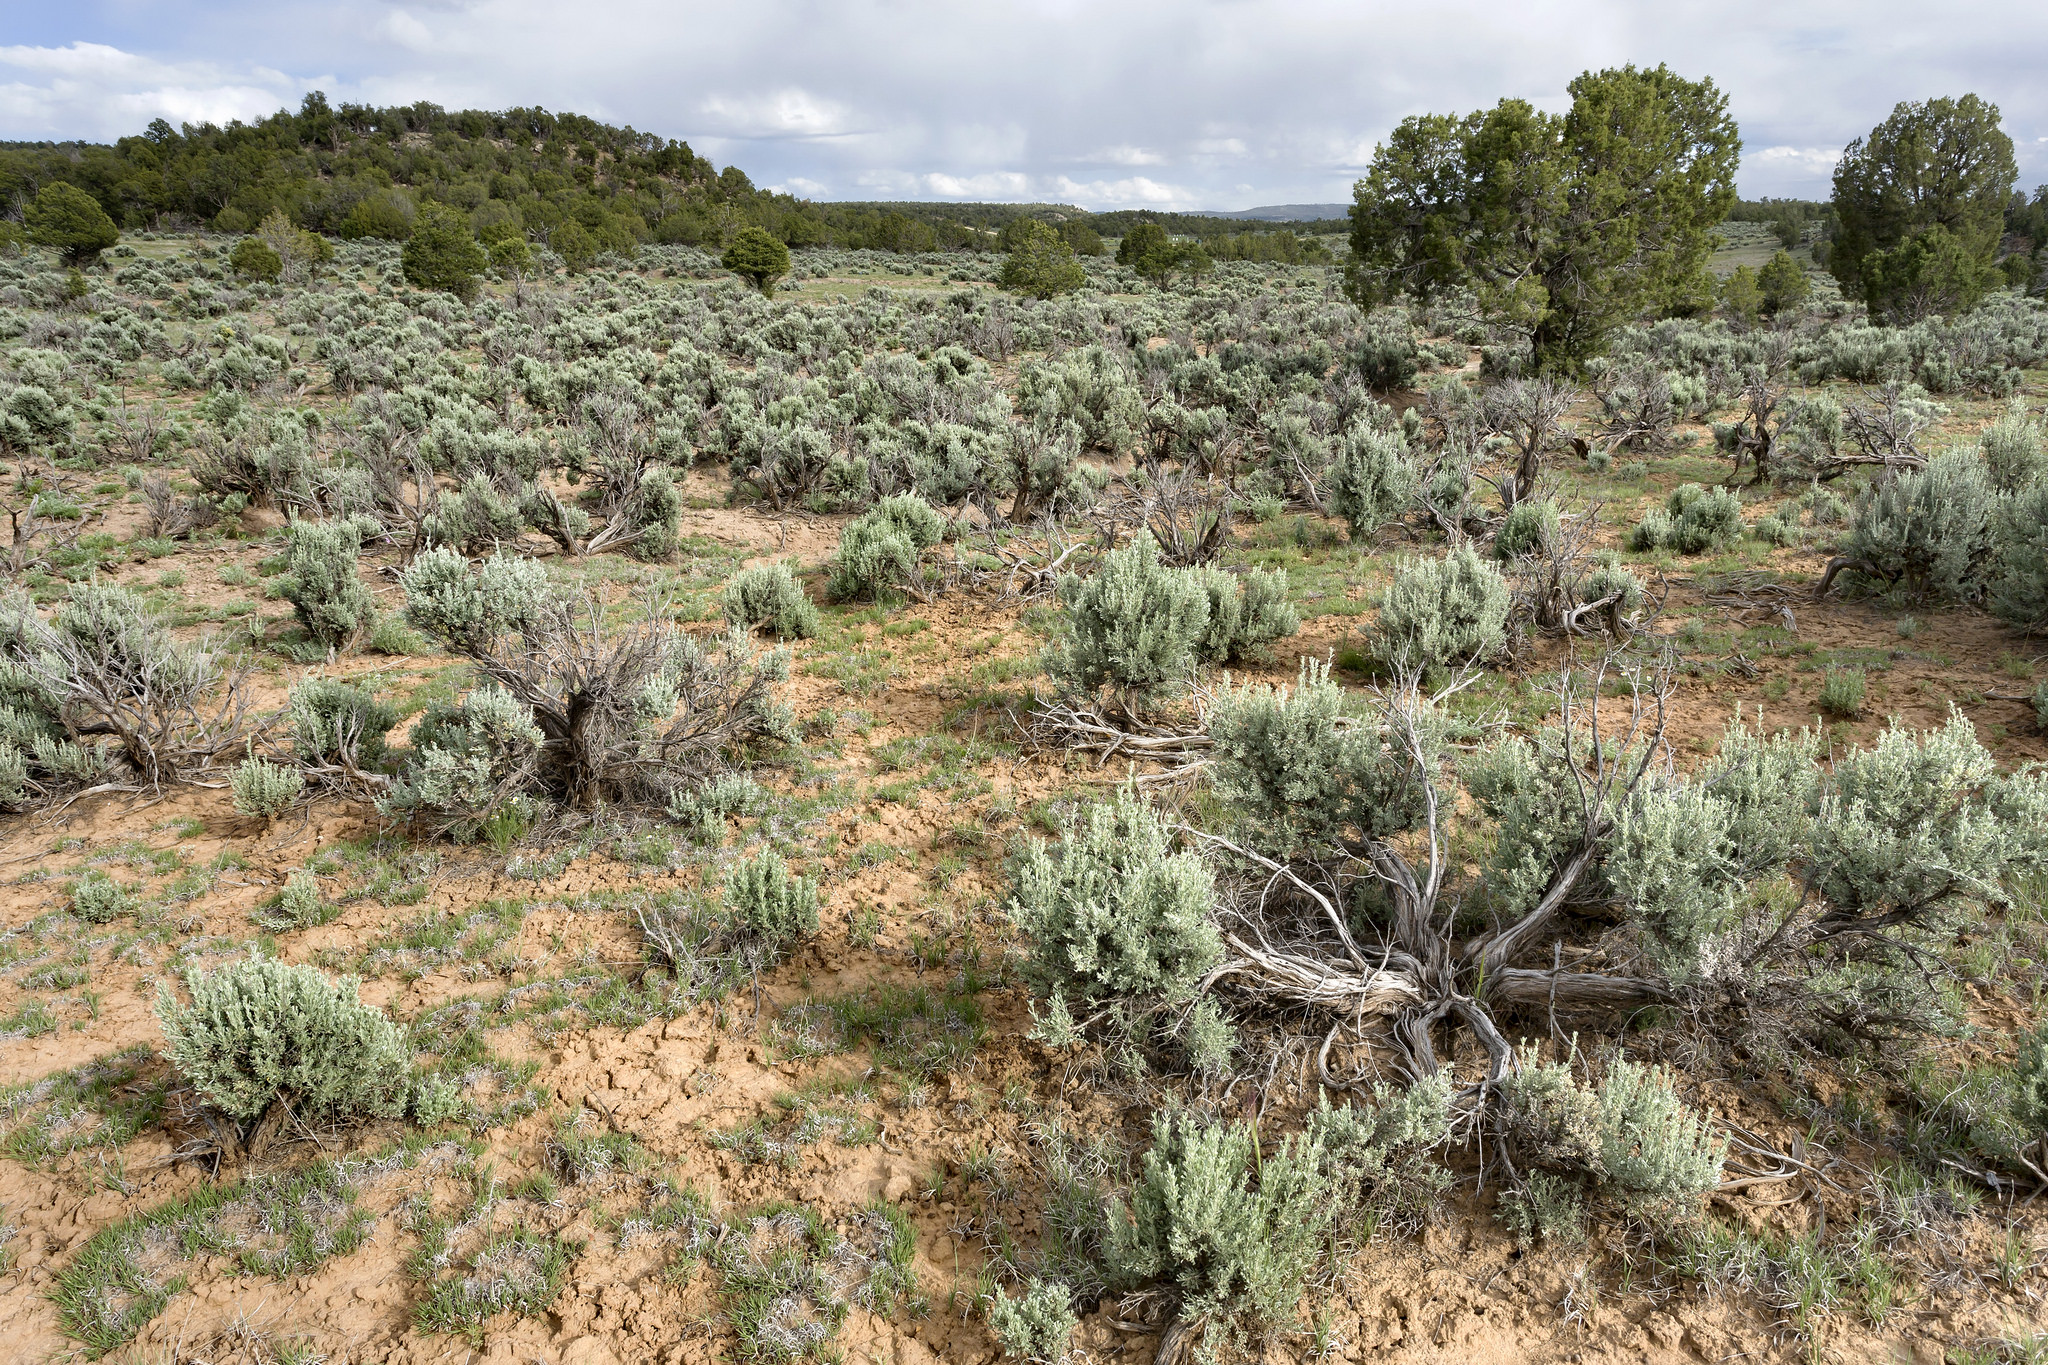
x=1112, y=911
x=1304, y=771
x=2019, y=559
x=1693, y=521
x=1371, y=479
x=1133, y=625
x=1631, y=1140
x=258, y=1032
x=1381, y=1161
x=469, y=760
x=1443, y=612
x=265, y=790
x=1920, y=825
x=2014, y=450
x=767, y=909
x=99, y=899
x=879, y=550
x=1927, y=530
x=1246, y=611
x=1236, y=1235
x=770, y=595
x=575, y=704
x=472, y=610
x=1037, y=1325
x=322, y=583
x=338, y=725
x=1530, y=529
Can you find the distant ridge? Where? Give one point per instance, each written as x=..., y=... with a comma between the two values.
x=1283, y=213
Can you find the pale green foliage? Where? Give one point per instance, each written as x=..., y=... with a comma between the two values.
x=442, y=596
x=1692, y=521
x=298, y=905
x=469, y=760
x=2015, y=450
x=265, y=790
x=1371, y=478
x=1234, y=1234
x=321, y=581
x=1632, y=1137
x=1842, y=691
x=1303, y=773
x=1134, y=623
x=1208, y=1037
x=1548, y=1208
x=2019, y=565
x=334, y=722
x=1038, y=1325
x=1919, y=823
x=1379, y=1159
x=98, y=898
x=1928, y=529
x=1767, y=784
x=1112, y=911
x=1527, y=788
x=1656, y=1155
x=1530, y=527
x=2030, y=1084
x=1440, y=612
x=260, y=1031
x=707, y=809
x=769, y=910
x=879, y=549
x=1246, y=610
x=769, y=595
x=1667, y=862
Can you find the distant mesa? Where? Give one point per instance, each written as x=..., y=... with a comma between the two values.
x=1282, y=213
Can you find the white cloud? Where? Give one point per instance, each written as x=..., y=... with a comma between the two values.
x=1124, y=156
x=778, y=115
x=97, y=91
x=1207, y=103
x=406, y=31
x=801, y=188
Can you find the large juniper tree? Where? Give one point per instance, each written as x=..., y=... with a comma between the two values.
x=1564, y=225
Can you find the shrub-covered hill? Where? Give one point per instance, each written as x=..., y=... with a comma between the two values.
x=353, y=171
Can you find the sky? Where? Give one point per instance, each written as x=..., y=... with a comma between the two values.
x=1192, y=104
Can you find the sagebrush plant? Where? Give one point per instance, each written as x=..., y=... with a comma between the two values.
x=1632, y=1140
x=1236, y=1234
x=769, y=910
x=1246, y=611
x=99, y=899
x=1037, y=1325
x=1926, y=530
x=1305, y=770
x=1112, y=911
x=322, y=582
x=339, y=725
x=1530, y=528
x=2019, y=559
x=879, y=550
x=770, y=595
x=2015, y=450
x=1372, y=478
x=1842, y=691
x=265, y=790
x=260, y=1032
x=1133, y=625
x=1443, y=612
x=1693, y=521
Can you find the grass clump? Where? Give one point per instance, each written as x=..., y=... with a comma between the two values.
x=1842, y=691
x=520, y=1271
x=789, y=1278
